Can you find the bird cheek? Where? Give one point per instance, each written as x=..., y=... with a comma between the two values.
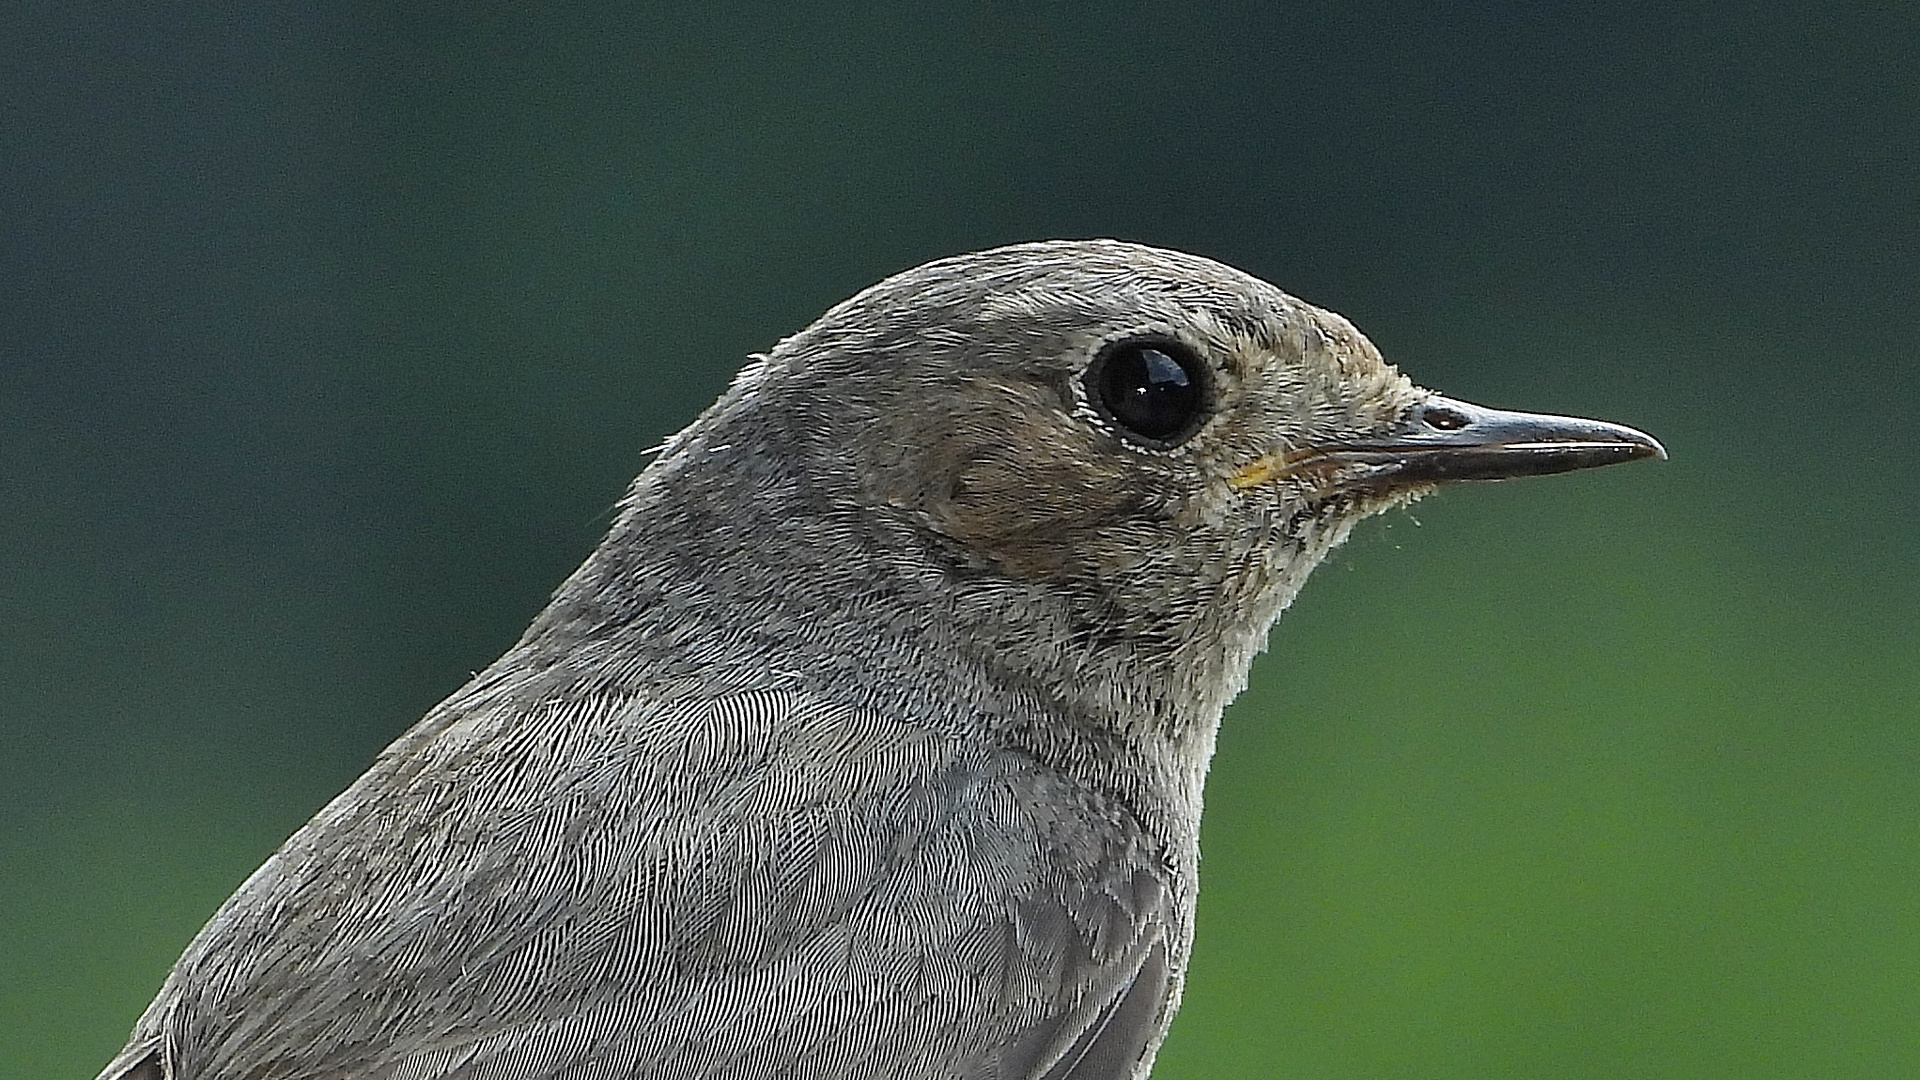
x=1031, y=519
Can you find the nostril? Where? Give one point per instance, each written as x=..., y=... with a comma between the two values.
x=1443, y=419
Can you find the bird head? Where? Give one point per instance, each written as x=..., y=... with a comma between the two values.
x=1105, y=468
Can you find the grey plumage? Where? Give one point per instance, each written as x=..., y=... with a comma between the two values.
x=870, y=742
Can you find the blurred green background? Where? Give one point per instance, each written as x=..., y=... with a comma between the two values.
x=329, y=333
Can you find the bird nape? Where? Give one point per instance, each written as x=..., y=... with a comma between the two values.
x=871, y=740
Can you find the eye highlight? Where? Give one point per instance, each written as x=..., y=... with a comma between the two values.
x=1154, y=390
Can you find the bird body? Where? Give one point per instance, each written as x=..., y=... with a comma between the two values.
x=871, y=741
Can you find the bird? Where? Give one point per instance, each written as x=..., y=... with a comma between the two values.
x=871, y=741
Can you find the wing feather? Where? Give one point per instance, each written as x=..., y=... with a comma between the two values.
x=750, y=887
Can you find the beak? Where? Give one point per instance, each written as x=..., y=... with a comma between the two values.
x=1442, y=440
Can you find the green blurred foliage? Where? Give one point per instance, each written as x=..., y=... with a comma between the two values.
x=332, y=334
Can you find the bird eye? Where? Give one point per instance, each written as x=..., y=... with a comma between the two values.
x=1153, y=390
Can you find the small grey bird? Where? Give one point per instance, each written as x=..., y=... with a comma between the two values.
x=870, y=742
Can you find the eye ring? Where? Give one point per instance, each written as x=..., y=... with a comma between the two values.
x=1154, y=390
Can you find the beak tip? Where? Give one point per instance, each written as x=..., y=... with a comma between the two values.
x=1645, y=445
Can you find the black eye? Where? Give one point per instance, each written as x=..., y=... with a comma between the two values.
x=1154, y=390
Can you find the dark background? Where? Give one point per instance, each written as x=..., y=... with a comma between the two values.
x=329, y=334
